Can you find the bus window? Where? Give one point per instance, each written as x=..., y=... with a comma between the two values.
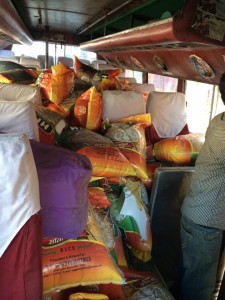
x=163, y=83
x=203, y=103
x=55, y=50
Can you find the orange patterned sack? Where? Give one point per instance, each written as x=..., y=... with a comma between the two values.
x=180, y=150
x=107, y=161
x=88, y=109
x=91, y=75
x=84, y=261
x=56, y=84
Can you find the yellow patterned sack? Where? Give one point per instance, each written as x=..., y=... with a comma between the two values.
x=56, y=84
x=180, y=150
x=82, y=261
x=88, y=109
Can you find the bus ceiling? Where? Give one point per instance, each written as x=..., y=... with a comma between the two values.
x=179, y=38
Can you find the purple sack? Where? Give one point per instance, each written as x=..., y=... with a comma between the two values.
x=63, y=181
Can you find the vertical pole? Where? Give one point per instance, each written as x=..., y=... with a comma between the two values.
x=46, y=47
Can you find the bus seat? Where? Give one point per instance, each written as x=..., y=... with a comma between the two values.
x=95, y=63
x=7, y=53
x=168, y=115
x=169, y=188
x=129, y=79
x=143, y=87
x=9, y=58
x=41, y=58
x=30, y=62
x=84, y=61
x=66, y=61
x=104, y=67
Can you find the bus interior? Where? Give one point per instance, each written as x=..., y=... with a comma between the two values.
x=171, y=47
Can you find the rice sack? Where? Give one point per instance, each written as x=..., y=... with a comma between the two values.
x=180, y=150
x=56, y=84
x=88, y=110
x=50, y=125
x=84, y=261
x=130, y=139
x=107, y=161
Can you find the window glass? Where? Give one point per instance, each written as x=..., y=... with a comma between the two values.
x=55, y=50
x=163, y=83
x=203, y=103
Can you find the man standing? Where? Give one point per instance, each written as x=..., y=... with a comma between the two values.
x=203, y=214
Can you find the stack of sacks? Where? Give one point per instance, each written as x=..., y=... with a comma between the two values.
x=63, y=175
x=105, y=124
x=116, y=149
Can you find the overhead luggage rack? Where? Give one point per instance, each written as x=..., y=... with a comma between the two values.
x=166, y=47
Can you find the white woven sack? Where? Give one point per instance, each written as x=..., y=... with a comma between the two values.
x=17, y=109
x=19, y=186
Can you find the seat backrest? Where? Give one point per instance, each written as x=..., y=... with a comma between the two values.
x=9, y=58
x=129, y=79
x=143, y=87
x=30, y=62
x=41, y=58
x=168, y=113
x=169, y=188
x=68, y=61
x=98, y=62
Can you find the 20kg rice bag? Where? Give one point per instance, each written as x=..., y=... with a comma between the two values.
x=50, y=125
x=107, y=161
x=130, y=139
x=84, y=261
x=180, y=150
x=56, y=84
x=88, y=109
